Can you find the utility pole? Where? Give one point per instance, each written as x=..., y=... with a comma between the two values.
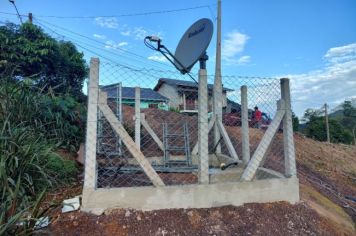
x=217, y=92
x=30, y=18
x=327, y=123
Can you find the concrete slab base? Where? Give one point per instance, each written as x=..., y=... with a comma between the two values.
x=192, y=196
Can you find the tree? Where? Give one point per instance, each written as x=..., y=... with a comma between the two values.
x=349, y=119
x=295, y=121
x=50, y=64
x=315, y=128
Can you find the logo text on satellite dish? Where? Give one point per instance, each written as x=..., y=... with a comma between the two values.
x=195, y=32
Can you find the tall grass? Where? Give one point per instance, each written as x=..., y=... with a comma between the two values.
x=32, y=126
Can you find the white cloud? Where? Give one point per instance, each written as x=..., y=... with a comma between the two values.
x=157, y=57
x=125, y=33
x=99, y=36
x=107, y=22
x=112, y=45
x=244, y=60
x=139, y=33
x=331, y=84
x=233, y=44
x=121, y=44
x=340, y=54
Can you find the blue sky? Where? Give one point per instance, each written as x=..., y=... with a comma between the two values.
x=311, y=42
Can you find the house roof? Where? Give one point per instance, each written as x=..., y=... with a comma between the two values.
x=233, y=105
x=129, y=93
x=183, y=83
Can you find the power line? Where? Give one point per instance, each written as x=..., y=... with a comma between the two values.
x=121, y=15
x=87, y=49
x=97, y=41
x=80, y=43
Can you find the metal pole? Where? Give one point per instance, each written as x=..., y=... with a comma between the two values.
x=244, y=125
x=118, y=115
x=217, y=92
x=327, y=123
x=137, y=118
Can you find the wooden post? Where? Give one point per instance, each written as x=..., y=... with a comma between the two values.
x=288, y=140
x=203, y=128
x=90, y=173
x=30, y=18
x=137, y=117
x=244, y=126
x=327, y=123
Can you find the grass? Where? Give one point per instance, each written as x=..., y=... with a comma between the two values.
x=32, y=126
x=327, y=208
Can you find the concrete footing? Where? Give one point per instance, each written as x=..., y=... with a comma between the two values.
x=192, y=196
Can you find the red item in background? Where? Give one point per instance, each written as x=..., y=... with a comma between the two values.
x=258, y=115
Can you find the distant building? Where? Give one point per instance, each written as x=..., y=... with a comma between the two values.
x=183, y=95
x=149, y=98
x=232, y=107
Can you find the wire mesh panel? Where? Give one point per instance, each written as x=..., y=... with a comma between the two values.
x=148, y=128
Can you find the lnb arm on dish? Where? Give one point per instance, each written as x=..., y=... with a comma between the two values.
x=153, y=38
x=165, y=52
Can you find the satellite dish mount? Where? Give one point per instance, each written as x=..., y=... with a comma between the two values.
x=191, y=48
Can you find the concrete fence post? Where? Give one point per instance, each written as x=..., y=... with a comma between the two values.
x=203, y=128
x=90, y=173
x=217, y=109
x=261, y=150
x=288, y=140
x=138, y=117
x=244, y=125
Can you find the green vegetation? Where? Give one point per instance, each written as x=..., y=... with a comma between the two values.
x=41, y=110
x=48, y=63
x=295, y=121
x=342, y=127
x=174, y=109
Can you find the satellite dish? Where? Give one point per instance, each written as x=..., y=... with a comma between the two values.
x=193, y=44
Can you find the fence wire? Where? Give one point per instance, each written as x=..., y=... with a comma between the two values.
x=166, y=129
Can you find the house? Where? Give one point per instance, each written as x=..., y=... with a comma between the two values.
x=149, y=98
x=231, y=107
x=183, y=95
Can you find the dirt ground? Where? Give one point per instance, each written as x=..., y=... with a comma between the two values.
x=327, y=174
x=251, y=219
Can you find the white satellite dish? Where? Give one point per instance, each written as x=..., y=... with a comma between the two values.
x=193, y=44
x=191, y=48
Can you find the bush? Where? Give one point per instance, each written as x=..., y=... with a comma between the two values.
x=32, y=126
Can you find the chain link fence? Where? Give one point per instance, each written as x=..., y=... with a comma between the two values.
x=147, y=128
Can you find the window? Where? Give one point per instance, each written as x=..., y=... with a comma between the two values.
x=153, y=105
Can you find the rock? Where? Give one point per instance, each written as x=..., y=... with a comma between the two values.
x=127, y=213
